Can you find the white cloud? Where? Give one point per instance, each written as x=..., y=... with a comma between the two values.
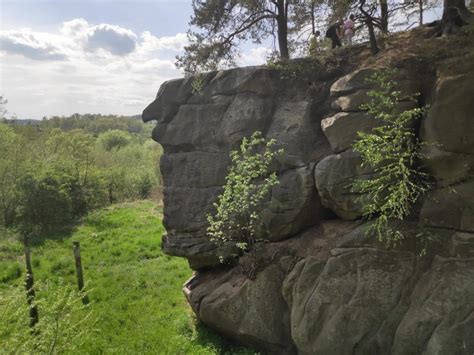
x=113, y=39
x=255, y=56
x=89, y=68
x=29, y=45
x=176, y=42
x=96, y=68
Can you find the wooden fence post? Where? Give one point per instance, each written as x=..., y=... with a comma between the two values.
x=80, y=277
x=29, y=285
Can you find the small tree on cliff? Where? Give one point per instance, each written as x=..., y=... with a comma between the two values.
x=392, y=150
x=221, y=26
x=248, y=183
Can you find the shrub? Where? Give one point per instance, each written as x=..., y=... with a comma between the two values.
x=114, y=139
x=64, y=322
x=248, y=182
x=393, y=151
x=45, y=204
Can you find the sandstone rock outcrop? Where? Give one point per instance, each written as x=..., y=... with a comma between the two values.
x=198, y=131
x=321, y=284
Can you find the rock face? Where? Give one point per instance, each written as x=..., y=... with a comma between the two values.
x=450, y=152
x=198, y=131
x=321, y=284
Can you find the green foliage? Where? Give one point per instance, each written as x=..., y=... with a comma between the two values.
x=126, y=272
x=393, y=151
x=97, y=123
x=14, y=163
x=295, y=69
x=248, y=183
x=65, y=324
x=49, y=177
x=44, y=204
x=114, y=139
x=197, y=83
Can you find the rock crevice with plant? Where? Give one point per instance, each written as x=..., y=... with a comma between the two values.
x=358, y=152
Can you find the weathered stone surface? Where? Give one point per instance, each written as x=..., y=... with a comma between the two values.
x=450, y=208
x=296, y=130
x=462, y=245
x=351, y=303
x=194, y=169
x=341, y=129
x=351, y=102
x=294, y=204
x=450, y=151
x=352, y=82
x=241, y=308
x=171, y=95
x=194, y=127
x=198, y=131
x=194, y=246
x=440, y=319
x=333, y=176
x=334, y=292
x=447, y=167
x=256, y=80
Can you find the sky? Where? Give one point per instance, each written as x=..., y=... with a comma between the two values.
x=59, y=57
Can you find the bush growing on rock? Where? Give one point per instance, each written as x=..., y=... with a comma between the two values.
x=393, y=151
x=248, y=183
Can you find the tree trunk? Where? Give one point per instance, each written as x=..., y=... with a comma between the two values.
x=282, y=22
x=384, y=16
x=455, y=15
x=368, y=19
x=373, y=40
x=420, y=6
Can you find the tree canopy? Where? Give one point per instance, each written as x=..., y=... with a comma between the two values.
x=219, y=28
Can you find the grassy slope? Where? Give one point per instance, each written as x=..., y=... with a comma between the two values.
x=135, y=288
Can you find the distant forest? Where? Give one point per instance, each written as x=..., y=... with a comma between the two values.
x=54, y=170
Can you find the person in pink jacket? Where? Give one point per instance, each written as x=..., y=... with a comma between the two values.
x=348, y=30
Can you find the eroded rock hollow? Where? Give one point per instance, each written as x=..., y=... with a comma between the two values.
x=321, y=285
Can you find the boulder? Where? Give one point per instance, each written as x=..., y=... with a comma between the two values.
x=294, y=205
x=351, y=303
x=450, y=151
x=341, y=129
x=352, y=82
x=297, y=131
x=351, y=102
x=450, y=208
x=239, y=307
x=333, y=177
x=440, y=319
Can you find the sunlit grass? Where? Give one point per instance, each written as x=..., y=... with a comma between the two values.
x=134, y=289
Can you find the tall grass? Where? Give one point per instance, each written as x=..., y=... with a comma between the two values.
x=134, y=289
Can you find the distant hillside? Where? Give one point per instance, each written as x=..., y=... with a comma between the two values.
x=93, y=123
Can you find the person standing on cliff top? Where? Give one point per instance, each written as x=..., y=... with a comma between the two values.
x=349, y=30
x=314, y=45
x=334, y=33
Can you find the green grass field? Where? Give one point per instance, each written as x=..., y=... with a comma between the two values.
x=134, y=289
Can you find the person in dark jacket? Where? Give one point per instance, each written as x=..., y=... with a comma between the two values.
x=334, y=33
